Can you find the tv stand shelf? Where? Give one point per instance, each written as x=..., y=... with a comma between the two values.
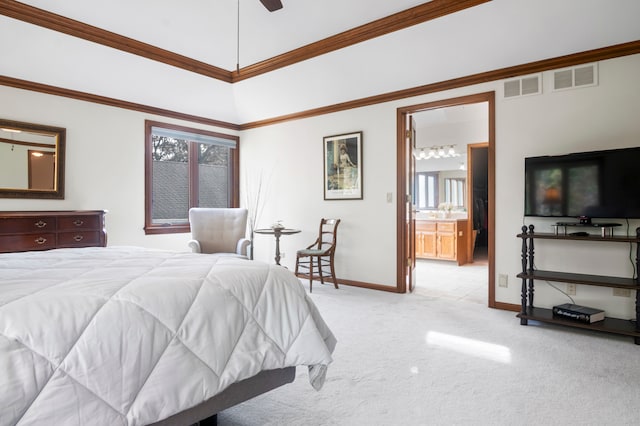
x=567, y=277
x=609, y=325
x=609, y=239
x=606, y=229
x=627, y=327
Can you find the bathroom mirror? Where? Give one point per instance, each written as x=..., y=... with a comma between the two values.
x=31, y=160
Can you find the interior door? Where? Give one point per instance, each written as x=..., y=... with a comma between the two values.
x=410, y=221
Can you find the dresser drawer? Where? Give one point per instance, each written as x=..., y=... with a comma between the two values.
x=70, y=223
x=27, y=242
x=20, y=225
x=446, y=226
x=425, y=226
x=78, y=239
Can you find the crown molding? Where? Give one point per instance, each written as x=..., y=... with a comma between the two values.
x=604, y=53
x=610, y=52
x=407, y=18
x=103, y=100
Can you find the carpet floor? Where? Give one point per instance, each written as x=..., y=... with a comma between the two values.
x=417, y=360
x=445, y=279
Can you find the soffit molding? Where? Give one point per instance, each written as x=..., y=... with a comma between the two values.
x=610, y=52
x=407, y=18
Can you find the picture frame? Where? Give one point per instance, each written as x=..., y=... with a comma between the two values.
x=342, y=164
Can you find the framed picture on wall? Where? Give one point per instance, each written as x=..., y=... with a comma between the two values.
x=343, y=166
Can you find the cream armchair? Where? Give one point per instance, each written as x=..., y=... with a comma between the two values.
x=219, y=230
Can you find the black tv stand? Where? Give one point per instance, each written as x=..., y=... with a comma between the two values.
x=528, y=311
x=606, y=229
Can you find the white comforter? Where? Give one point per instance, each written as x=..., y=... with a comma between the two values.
x=129, y=336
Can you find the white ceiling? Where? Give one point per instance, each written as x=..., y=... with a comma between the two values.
x=490, y=36
x=207, y=30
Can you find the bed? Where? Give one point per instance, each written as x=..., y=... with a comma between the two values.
x=132, y=336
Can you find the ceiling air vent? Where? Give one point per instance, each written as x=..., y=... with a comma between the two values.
x=529, y=85
x=574, y=77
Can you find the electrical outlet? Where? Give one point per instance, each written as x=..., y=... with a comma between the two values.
x=622, y=292
x=503, y=280
x=571, y=289
x=282, y=255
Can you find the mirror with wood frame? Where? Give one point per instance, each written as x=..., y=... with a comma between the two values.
x=31, y=160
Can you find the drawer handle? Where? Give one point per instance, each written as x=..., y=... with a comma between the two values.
x=78, y=238
x=78, y=222
x=40, y=240
x=40, y=224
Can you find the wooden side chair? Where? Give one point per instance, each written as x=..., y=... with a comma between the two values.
x=318, y=257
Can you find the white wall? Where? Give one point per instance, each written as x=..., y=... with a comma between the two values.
x=104, y=165
x=600, y=117
x=289, y=155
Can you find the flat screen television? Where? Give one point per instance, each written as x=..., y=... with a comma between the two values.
x=597, y=184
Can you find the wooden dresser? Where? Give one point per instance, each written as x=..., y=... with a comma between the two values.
x=44, y=230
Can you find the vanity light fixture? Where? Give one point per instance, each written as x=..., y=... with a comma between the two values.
x=419, y=154
x=442, y=151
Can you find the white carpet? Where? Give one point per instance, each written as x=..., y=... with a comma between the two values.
x=416, y=360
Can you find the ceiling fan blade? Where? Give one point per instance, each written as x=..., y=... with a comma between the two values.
x=272, y=5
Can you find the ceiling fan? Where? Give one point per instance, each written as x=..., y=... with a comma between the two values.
x=272, y=5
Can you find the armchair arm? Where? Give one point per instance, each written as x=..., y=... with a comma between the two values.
x=195, y=246
x=241, y=247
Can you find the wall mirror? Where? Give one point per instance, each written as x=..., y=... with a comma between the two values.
x=31, y=160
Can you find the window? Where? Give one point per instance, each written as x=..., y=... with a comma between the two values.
x=454, y=192
x=427, y=190
x=186, y=168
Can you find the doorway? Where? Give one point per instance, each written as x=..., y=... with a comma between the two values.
x=476, y=216
x=465, y=279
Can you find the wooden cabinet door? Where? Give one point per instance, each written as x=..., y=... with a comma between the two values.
x=426, y=239
x=429, y=244
x=447, y=240
x=447, y=245
x=418, y=244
